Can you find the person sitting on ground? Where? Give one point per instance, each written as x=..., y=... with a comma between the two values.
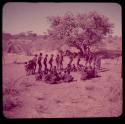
x=39, y=76
x=67, y=77
x=84, y=73
x=54, y=70
x=29, y=67
x=55, y=75
x=60, y=75
x=91, y=72
x=63, y=74
x=52, y=76
x=48, y=76
x=74, y=68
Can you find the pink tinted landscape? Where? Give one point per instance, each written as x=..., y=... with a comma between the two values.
x=79, y=70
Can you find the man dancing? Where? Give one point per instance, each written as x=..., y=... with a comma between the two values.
x=45, y=63
x=78, y=61
x=61, y=61
x=51, y=62
x=39, y=63
x=57, y=61
x=34, y=63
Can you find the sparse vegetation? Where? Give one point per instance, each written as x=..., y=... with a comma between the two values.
x=25, y=96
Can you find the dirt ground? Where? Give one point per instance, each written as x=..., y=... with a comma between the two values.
x=23, y=97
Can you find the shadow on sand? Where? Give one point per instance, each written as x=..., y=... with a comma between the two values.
x=104, y=70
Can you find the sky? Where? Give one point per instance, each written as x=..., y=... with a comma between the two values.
x=23, y=16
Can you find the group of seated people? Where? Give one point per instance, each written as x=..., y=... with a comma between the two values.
x=55, y=76
x=58, y=76
x=89, y=72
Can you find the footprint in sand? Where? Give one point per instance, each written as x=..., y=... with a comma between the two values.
x=40, y=108
x=89, y=88
x=40, y=98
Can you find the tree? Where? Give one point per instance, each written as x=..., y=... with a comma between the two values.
x=81, y=30
x=31, y=34
x=22, y=34
x=14, y=47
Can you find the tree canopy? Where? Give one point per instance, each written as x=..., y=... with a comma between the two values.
x=80, y=30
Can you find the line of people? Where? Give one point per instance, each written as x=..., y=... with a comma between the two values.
x=46, y=64
x=54, y=74
x=44, y=61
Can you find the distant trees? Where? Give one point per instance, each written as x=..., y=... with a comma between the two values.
x=28, y=52
x=81, y=30
x=31, y=34
x=22, y=34
x=11, y=47
x=18, y=43
x=14, y=47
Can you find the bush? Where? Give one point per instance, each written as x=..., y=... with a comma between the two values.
x=10, y=103
x=10, y=91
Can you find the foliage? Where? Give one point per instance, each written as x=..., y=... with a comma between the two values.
x=80, y=30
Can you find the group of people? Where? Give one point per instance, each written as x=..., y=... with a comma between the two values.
x=43, y=62
x=55, y=71
x=55, y=76
x=49, y=73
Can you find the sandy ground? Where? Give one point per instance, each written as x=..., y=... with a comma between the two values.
x=23, y=97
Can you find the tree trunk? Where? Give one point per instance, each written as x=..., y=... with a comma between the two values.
x=81, y=51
